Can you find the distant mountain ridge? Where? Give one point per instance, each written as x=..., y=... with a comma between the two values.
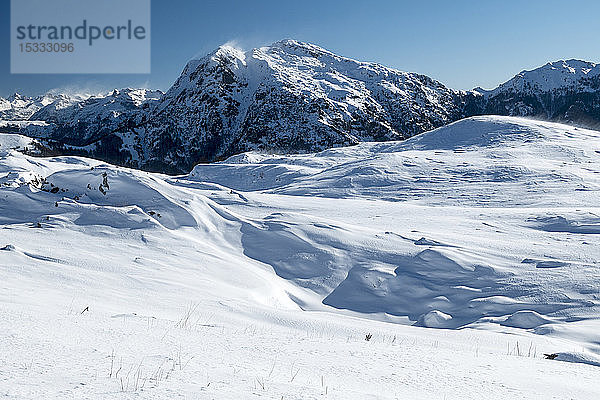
x=290, y=97
x=566, y=91
x=18, y=108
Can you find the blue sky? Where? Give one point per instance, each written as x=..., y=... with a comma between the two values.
x=461, y=43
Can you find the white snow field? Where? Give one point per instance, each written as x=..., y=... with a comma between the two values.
x=262, y=276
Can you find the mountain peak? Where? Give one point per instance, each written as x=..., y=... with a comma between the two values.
x=229, y=53
x=297, y=44
x=304, y=49
x=557, y=75
x=572, y=65
x=15, y=96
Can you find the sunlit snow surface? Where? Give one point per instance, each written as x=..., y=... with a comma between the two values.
x=259, y=277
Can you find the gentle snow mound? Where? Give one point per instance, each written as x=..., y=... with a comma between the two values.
x=435, y=319
x=526, y=319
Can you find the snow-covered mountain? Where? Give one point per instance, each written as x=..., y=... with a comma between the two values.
x=573, y=75
x=290, y=97
x=567, y=91
x=89, y=121
x=100, y=112
x=20, y=108
x=264, y=275
x=99, y=125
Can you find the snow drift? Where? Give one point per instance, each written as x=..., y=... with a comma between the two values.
x=490, y=223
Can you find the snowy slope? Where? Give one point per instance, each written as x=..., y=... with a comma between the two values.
x=261, y=276
x=488, y=160
x=534, y=179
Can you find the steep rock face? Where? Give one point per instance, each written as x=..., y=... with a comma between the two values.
x=290, y=97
